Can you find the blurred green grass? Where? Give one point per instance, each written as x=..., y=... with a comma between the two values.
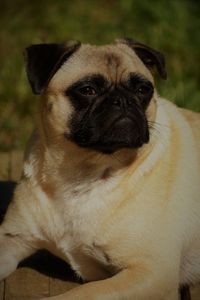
x=171, y=26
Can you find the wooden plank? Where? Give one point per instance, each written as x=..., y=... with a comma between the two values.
x=2, y=290
x=16, y=159
x=195, y=292
x=4, y=175
x=26, y=284
x=4, y=166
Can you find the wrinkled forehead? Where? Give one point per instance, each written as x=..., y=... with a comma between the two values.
x=114, y=62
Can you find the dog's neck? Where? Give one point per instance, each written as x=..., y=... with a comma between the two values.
x=78, y=164
x=74, y=168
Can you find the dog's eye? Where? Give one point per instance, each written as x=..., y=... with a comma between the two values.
x=144, y=89
x=87, y=91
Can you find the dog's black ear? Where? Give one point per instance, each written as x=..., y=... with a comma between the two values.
x=149, y=56
x=43, y=60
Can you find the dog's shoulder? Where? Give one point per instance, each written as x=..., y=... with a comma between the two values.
x=193, y=118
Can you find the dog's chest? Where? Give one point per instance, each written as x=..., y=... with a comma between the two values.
x=82, y=251
x=90, y=262
x=80, y=245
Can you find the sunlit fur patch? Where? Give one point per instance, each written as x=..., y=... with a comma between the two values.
x=59, y=114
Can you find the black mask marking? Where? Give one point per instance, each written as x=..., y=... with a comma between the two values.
x=112, y=116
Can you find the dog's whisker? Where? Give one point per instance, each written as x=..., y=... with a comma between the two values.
x=157, y=124
x=116, y=158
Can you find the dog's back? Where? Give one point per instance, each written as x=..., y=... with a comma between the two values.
x=194, y=120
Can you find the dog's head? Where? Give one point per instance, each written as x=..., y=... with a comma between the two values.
x=98, y=97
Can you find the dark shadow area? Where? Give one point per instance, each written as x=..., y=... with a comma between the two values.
x=7, y=189
x=185, y=293
x=48, y=264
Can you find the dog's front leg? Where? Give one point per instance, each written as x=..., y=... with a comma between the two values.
x=12, y=250
x=130, y=284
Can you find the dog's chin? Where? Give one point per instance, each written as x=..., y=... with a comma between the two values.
x=111, y=148
x=110, y=144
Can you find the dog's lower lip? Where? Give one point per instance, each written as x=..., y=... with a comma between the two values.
x=123, y=118
x=123, y=121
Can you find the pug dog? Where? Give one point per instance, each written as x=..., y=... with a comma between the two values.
x=111, y=175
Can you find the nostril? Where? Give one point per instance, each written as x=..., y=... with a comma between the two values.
x=117, y=102
x=129, y=102
x=122, y=102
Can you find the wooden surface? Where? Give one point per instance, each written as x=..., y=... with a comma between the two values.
x=42, y=274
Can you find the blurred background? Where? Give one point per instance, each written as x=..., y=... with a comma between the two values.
x=171, y=26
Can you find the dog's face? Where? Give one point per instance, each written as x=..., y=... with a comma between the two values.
x=98, y=97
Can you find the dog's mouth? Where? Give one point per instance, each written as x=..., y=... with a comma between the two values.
x=123, y=132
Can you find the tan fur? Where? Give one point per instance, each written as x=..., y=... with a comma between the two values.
x=128, y=222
